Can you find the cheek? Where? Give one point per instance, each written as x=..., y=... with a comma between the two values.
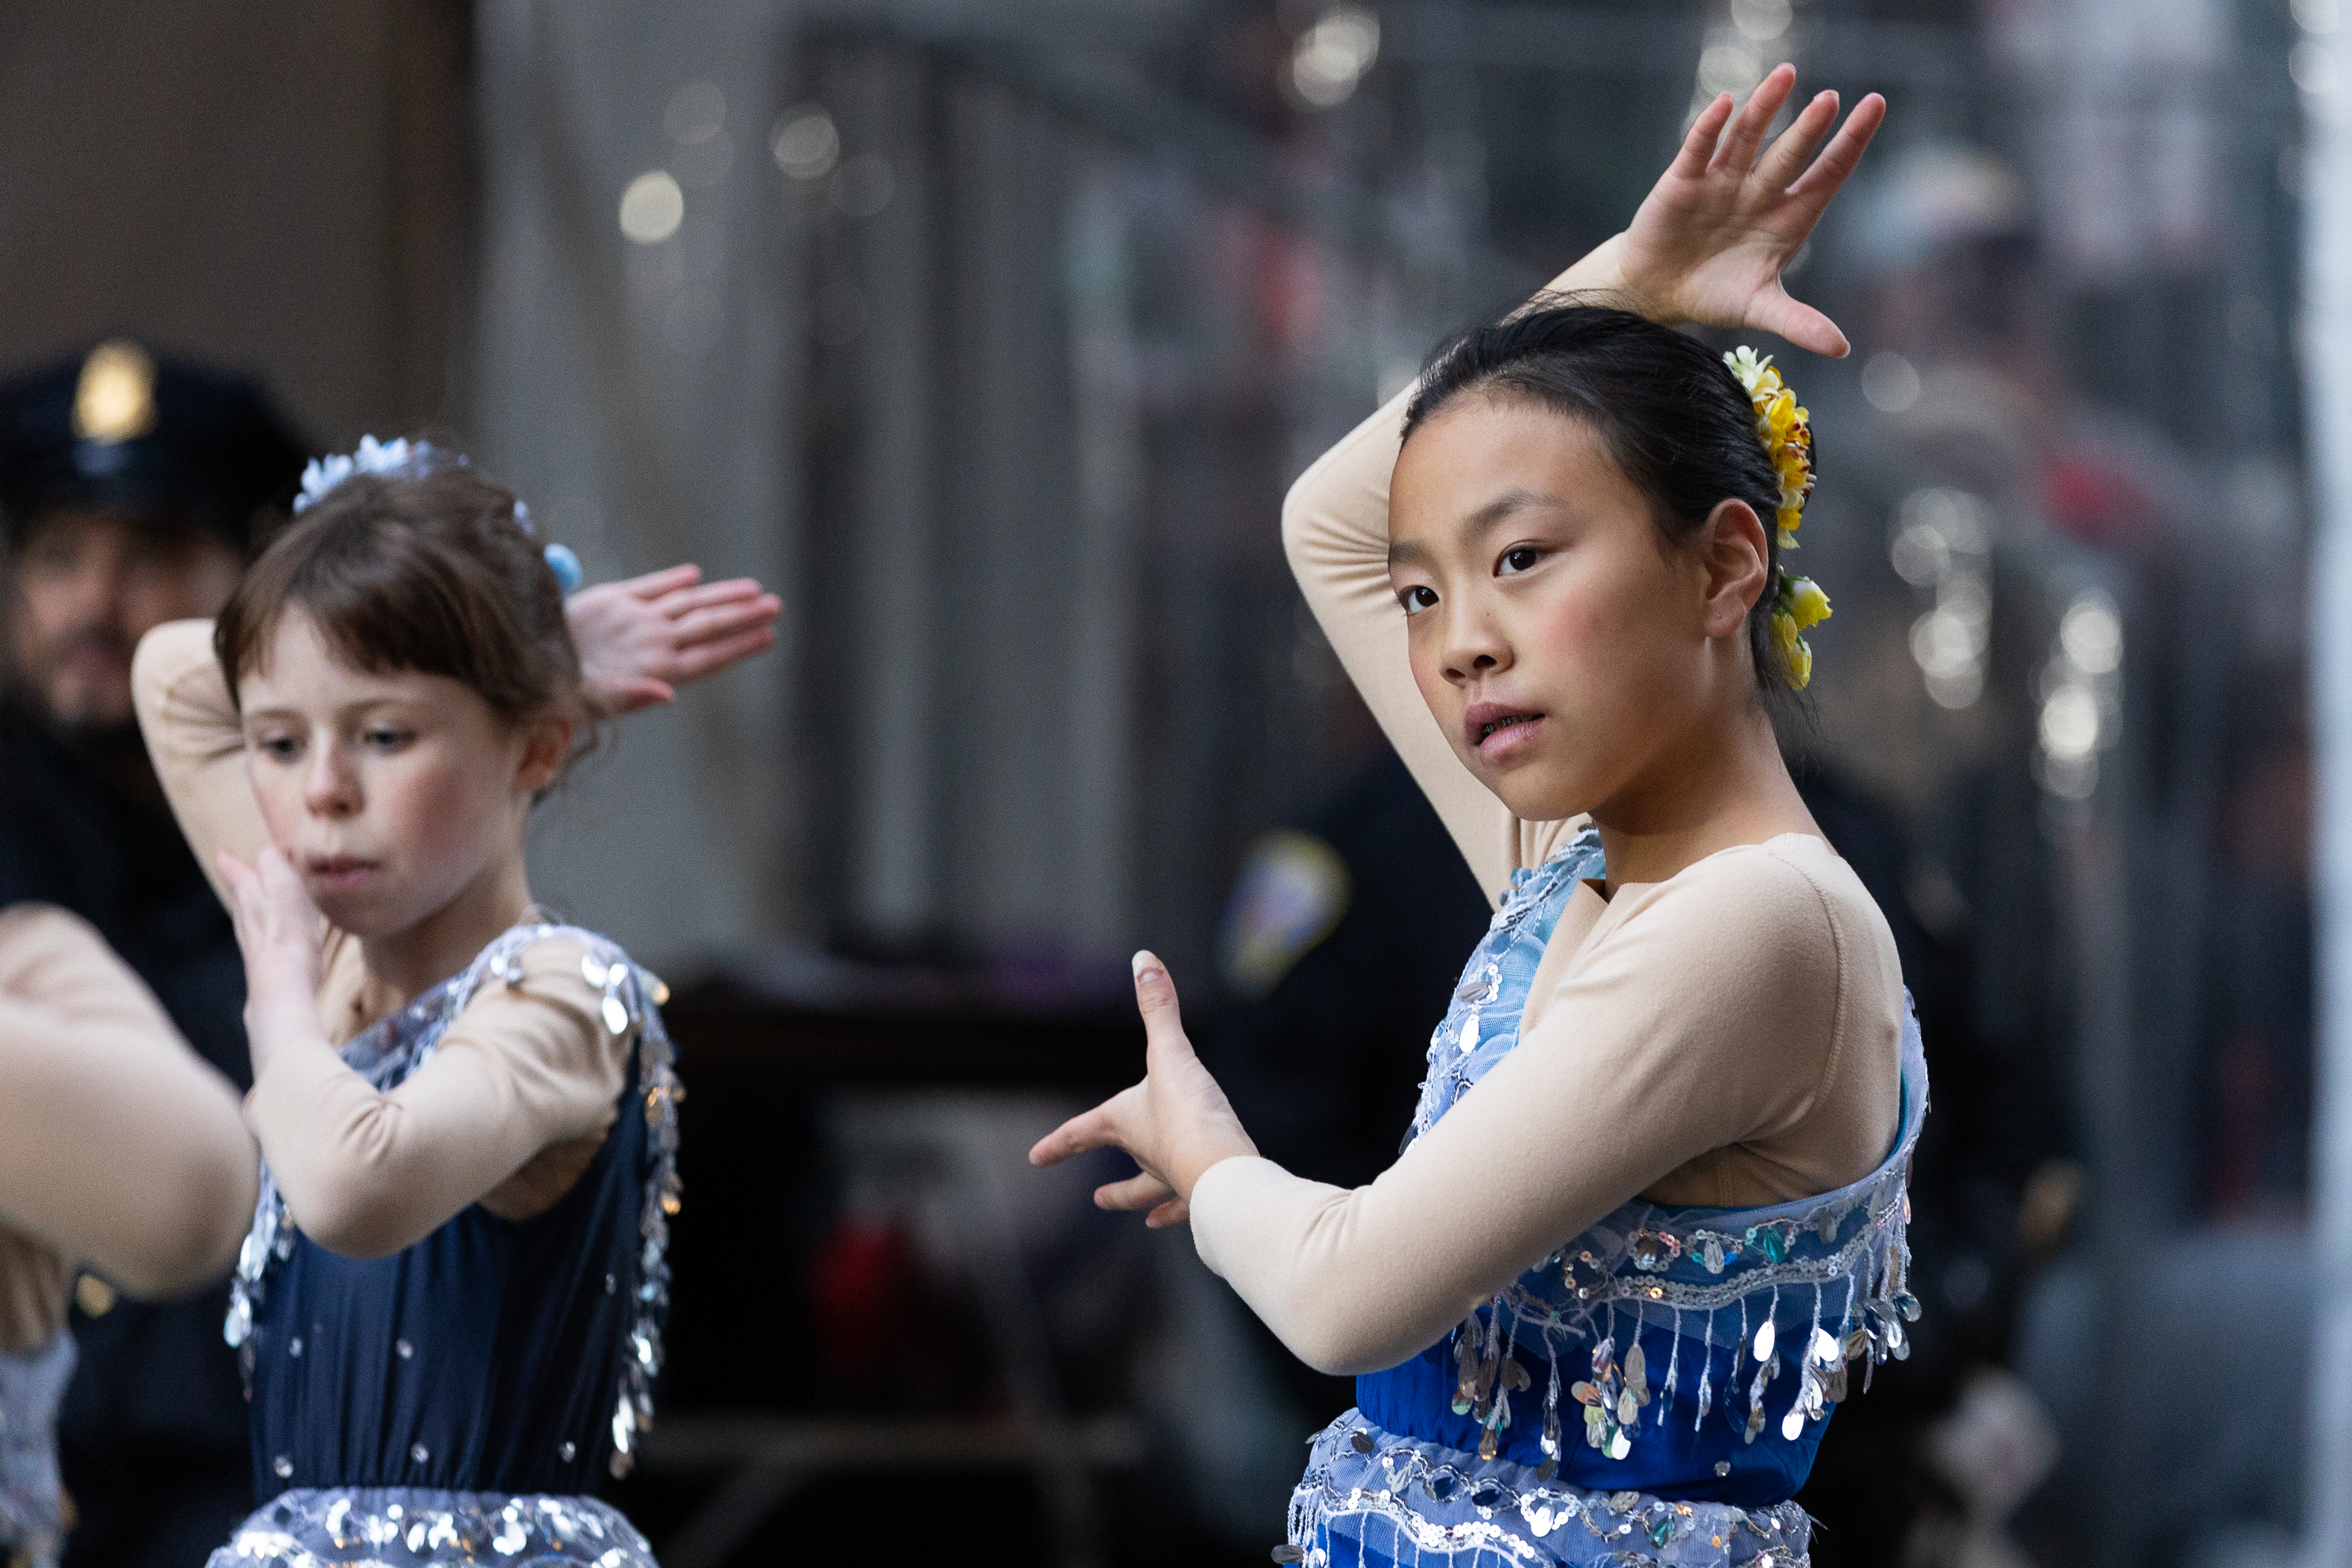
x=1621, y=623
x=278, y=792
x=441, y=811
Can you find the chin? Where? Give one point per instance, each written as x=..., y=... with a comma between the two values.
x=1541, y=790
x=362, y=916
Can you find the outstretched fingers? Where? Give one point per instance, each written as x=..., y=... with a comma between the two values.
x=1141, y=1191
x=1800, y=323
x=705, y=659
x=688, y=598
x=1163, y=1020
x=244, y=894
x=1737, y=153
x=1793, y=148
x=1095, y=1129
x=668, y=580
x=1839, y=160
x=724, y=618
x=1699, y=141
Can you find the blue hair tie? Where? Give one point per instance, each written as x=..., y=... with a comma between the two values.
x=566, y=567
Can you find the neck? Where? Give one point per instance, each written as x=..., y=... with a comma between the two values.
x=411, y=962
x=1725, y=786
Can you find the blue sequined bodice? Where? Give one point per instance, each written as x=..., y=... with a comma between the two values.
x=1663, y=1375
x=493, y=1356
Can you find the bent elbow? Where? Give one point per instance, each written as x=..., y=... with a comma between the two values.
x=1297, y=520
x=1341, y=1349
x=193, y=1234
x=349, y=1218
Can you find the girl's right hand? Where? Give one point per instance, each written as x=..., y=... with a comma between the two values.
x=279, y=931
x=1710, y=240
x=1175, y=1124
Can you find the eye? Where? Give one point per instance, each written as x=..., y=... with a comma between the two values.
x=1518, y=559
x=1417, y=598
x=278, y=747
x=386, y=737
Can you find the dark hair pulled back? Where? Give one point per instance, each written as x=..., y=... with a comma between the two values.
x=1673, y=416
x=432, y=573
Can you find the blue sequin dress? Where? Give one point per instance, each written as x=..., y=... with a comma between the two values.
x=456, y=1401
x=1653, y=1391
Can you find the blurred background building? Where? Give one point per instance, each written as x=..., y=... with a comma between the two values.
x=991, y=333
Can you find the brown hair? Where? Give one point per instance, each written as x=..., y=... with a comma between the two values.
x=432, y=573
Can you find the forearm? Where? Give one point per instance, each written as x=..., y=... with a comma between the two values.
x=122, y=1149
x=1655, y=1053
x=190, y=723
x=1335, y=530
x=1357, y=1281
x=361, y=1174
x=366, y=1174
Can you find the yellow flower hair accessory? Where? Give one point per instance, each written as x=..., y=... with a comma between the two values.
x=1787, y=432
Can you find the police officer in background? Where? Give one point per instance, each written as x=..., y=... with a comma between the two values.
x=130, y=486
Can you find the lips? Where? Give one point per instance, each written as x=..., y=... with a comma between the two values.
x=1497, y=730
x=337, y=873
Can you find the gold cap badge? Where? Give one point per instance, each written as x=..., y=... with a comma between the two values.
x=115, y=400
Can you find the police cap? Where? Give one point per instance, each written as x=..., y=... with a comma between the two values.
x=123, y=429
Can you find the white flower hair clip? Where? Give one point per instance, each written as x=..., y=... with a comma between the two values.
x=401, y=459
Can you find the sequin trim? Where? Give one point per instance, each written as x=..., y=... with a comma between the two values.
x=396, y=1046
x=410, y=1527
x=32, y=1494
x=1437, y=1509
x=1748, y=1295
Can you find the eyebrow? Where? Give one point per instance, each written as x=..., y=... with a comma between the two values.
x=1483, y=521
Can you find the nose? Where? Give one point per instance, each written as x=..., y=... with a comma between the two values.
x=1474, y=646
x=95, y=590
x=330, y=786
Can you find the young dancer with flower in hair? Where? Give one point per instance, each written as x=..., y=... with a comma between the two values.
x=1648, y=1227
x=449, y=1306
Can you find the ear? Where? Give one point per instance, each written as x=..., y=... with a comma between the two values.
x=1736, y=560
x=546, y=744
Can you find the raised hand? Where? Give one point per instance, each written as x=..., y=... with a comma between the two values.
x=279, y=931
x=643, y=638
x=1711, y=238
x=1175, y=1124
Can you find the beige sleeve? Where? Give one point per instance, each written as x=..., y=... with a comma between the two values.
x=119, y=1147
x=1702, y=1019
x=522, y=1069
x=198, y=746
x=1335, y=529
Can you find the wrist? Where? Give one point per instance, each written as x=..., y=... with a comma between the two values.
x=1603, y=270
x=1210, y=1152
x=275, y=1023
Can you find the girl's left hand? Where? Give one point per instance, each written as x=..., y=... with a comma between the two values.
x=278, y=930
x=1713, y=236
x=643, y=638
x=1176, y=1123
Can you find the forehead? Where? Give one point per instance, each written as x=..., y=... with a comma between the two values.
x=1482, y=452
x=81, y=523
x=301, y=667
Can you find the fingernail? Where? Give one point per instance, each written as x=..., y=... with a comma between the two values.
x=1142, y=961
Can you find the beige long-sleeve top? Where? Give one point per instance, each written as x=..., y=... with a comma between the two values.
x=513, y=1102
x=119, y=1147
x=1729, y=1037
